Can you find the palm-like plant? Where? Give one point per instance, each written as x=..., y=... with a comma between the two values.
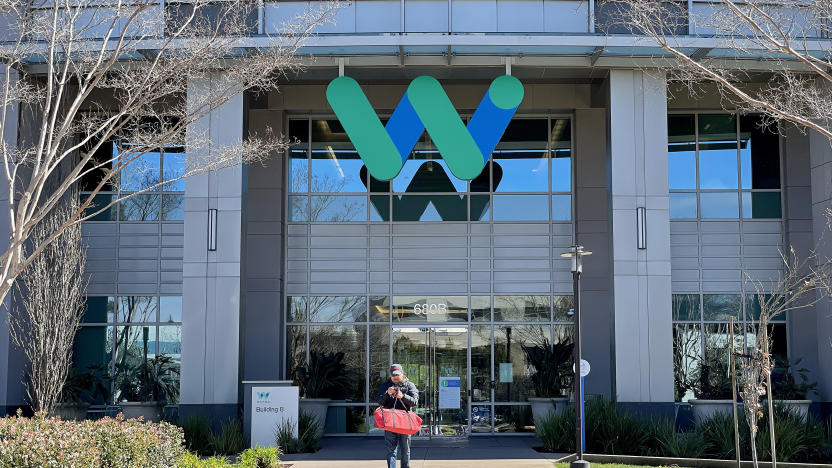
x=323, y=376
x=552, y=364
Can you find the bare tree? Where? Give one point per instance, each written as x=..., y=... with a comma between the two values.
x=797, y=85
x=47, y=316
x=88, y=76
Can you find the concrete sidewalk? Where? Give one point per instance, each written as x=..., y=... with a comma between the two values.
x=481, y=452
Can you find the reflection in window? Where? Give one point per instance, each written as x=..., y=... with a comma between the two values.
x=686, y=307
x=134, y=347
x=563, y=308
x=431, y=308
x=379, y=308
x=687, y=354
x=430, y=208
x=721, y=306
x=337, y=308
x=335, y=165
x=512, y=373
x=140, y=172
x=295, y=349
x=379, y=357
x=481, y=365
x=513, y=419
x=337, y=209
x=561, y=147
x=170, y=309
x=137, y=309
x=140, y=208
x=426, y=171
x=561, y=207
x=350, y=340
x=521, y=153
x=481, y=308
x=298, y=208
x=521, y=308
x=296, y=311
x=759, y=155
x=718, y=151
x=173, y=207
x=718, y=205
x=345, y=420
x=98, y=202
x=761, y=205
x=173, y=163
x=682, y=205
x=681, y=152
x=100, y=309
x=521, y=208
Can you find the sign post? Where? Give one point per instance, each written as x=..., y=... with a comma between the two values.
x=584, y=372
x=270, y=407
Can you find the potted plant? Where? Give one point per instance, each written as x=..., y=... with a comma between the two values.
x=552, y=378
x=144, y=389
x=712, y=389
x=787, y=391
x=322, y=378
x=80, y=389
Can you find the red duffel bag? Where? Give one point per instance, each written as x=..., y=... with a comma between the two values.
x=396, y=420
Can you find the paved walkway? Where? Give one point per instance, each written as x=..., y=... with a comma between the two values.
x=481, y=452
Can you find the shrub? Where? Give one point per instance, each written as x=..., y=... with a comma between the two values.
x=190, y=460
x=198, y=435
x=230, y=440
x=260, y=457
x=107, y=442
x=557, y=432
x=612, y=431
x=309, y=435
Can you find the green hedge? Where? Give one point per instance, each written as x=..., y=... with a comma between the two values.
x=51, y=442
x=610, y=430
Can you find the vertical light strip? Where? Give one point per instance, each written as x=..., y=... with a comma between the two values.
x=212, y=229
x=641, y=228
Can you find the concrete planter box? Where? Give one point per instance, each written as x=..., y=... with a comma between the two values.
x=71, y=411
x=705, y=409
x=317, y=407
x=544, y=407
x=150, y=410
x=800, y=407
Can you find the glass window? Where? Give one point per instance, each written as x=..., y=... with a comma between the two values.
x=681, y=152
x=134, y=347
x=173, y=207
x=337, y=209
x=337, y=309
x=521, y=154
x=687, y=354
x=480, y=208
x=761, y=205
x=718, y=151
x=346, y=420
x=563, y=308
x=430, y=308
x=718, y=205
x=97, y=204
x=141, y=171
x=296, y=309
x=137, y=309
x=481, y=364
x=752, y=307
x=170, y=309
x=511, y=371
x=561, y=207
x=350, y=340
x=103, y=158
x=92, y=354
x=430, y=208
x=513, y=419
x=174, y=167
x=521, y=308
x=298, y=157
x=379, y=308
x=380, y=208
x=100, y=309
x=561, y=147
x=295, y=349
x=759, y=154
x=142, y=207
x=481, y=308
x=298, y=208
x=721, y=306
x=686, y=307
x=335, y=165
x=682, y=205
x=521, y=208
x=425, y=171
x=379, y=358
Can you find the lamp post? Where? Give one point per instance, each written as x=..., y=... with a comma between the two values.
x=576, y=252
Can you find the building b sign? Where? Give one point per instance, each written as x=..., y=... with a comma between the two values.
x=272, y=407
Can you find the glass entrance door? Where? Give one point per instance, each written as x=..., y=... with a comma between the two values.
x=435, y=359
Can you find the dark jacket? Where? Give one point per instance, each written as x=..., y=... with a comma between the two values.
x=410, y=395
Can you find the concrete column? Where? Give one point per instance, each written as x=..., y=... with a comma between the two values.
x=637, y=160
x=211, y=280
x=10, y=139
x=820, y=170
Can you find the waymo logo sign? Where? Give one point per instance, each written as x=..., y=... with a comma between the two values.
x=425, y=106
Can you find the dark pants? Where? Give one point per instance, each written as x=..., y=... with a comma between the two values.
x=394, y=442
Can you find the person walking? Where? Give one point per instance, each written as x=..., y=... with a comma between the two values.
x=399, y=393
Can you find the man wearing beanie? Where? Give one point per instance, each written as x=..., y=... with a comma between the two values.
x=399, y=393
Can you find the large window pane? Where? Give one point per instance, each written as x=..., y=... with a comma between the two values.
x=563, y=308
x=430, y=208
x=379, y=358
x=170, y=309
x=511, y=371
x=683, y=206
x=561, y=146
x=98, y=203
x=481, y=363
x=521, y=208
x=337, y=309
x=425, y=171
x=173, y=207
x=173, y=163
x=761, y=205
x=91, y=354
x=480, y=308
x=759, y=154
x=561, y=207
x=168, y=364
x=351, y=341
x=715, y=365
x=134, y=349
x=295, y=349
x=346, y=420
x=98, y=167
x=687, y=355
x=379, y=308
x=380, y=208
x=100, y=309
x=298, y=160
x=681, y=152
x=719, y=205
x=141, y=171
x=521, y=308
x=296, y=308
x=686, y=307
x=430, y=308
x=513, y=419
x=721, y=306
x=718, y=151
x=144, y=207
x=521, y=153
x=338, y=209
x=298, y=208
x=480, y=208
x=136, y=309
x=335, y=164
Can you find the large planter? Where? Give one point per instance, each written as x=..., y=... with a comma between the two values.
x=317, y=407
x=705, y=409
x=544, y=407
x=149, y=410
x=799, y=407
x=71, y=411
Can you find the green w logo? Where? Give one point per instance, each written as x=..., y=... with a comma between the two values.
x=425, y=106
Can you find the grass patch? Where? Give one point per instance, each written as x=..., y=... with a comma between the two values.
x=609, y=465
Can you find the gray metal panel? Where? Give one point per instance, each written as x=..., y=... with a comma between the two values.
x=425, y=16
x=520, y=15
x=474, y=15
x=566, y=16
x=377, y=15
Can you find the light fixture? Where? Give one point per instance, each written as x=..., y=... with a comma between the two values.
x=575, y=252
x=212, y=229
x=641, y=228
